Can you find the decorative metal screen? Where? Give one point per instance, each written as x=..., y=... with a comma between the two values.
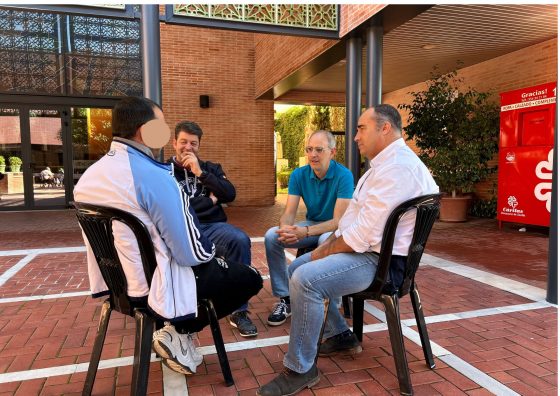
x=104, y=36
x=29, y=52
x=104, y=76
x=310, y=16
x=59, y=54
x=104, y=57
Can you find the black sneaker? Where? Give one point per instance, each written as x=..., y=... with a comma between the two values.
x=241, y=321
x=346, y=343
x=289, y=383
x=279, y=314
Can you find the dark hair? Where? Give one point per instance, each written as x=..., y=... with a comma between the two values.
x=130, y=114
x=189, y=127
x=390, y=114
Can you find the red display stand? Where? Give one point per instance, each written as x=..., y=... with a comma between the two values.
x=525, y=155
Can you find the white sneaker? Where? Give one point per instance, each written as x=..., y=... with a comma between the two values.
x=177, y=350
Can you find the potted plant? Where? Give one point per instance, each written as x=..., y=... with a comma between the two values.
x=2, y=164
x=456, y=131
x=15, y=164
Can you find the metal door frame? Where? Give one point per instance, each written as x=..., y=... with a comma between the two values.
x=63, y=104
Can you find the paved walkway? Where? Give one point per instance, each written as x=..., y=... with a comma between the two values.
x=482, y=290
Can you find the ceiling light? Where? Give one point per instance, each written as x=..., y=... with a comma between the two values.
x=429, y=46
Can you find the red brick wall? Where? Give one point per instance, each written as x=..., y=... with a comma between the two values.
x=238, y=130
x=530, y=66
x=352, y=15
x=279, y=56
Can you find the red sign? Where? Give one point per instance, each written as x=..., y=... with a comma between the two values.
x=525, y=155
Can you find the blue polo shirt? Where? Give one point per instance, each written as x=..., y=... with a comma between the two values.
x=320, y=195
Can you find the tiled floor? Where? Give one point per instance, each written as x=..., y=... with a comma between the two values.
x=482, y=290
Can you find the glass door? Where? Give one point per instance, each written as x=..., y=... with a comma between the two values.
x=44, y=150
x=11, y=175
x=47, y=159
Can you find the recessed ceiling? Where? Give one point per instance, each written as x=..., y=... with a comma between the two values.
x=444, y=35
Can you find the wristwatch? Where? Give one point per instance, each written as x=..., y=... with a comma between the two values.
x=203, y=175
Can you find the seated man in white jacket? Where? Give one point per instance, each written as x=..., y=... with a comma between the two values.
x=129, y=178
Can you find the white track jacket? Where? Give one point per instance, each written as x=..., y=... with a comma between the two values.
x=128, y=179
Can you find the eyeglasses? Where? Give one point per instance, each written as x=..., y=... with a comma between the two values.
x=319, y=150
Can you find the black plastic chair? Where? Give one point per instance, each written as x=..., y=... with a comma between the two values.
x=96, y=222
x=427, y=209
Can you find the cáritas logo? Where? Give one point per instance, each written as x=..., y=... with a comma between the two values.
x=512, y=210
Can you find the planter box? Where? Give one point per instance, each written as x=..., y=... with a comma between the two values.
x=454, y=209
x=12, y=183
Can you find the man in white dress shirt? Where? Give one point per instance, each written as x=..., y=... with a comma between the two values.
x=347, y=261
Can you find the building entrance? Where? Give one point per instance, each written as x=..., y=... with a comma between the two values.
x=46, y=149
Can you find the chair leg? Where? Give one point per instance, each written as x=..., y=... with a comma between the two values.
x=358, y=317
x=142, y=352
x=346, y=307
x=422, y=329
x=392, y=313
x=97, y=347
x=218, y=341
x=325, y=315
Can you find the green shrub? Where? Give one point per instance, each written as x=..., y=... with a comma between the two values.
x=485, y=208
x=14, y=161
x=284, y=177
x=456, y=129
x=291, y=127
x=2, y=160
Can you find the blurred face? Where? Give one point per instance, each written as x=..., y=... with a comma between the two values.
x=186, y=143
x=319, y=154
x=370, y=136
x=154, y=133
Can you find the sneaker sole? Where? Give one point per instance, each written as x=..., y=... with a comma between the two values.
x=351, y=351
x=174, y=366
x=278, y=323
x=240, y=333
x=166, y=356
x=162, y=350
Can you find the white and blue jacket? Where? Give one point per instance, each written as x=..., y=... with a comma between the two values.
x=129, y=179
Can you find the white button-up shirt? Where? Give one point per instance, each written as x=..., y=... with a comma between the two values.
x=396, y=175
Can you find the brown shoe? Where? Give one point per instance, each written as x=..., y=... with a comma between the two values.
x=345, y=343
x=289, y=383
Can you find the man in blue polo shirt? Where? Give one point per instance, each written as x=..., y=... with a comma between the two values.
x=326, y=188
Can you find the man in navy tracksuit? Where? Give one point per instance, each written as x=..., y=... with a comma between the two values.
x=208, y=187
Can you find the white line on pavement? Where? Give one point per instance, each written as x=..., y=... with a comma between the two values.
x=16, y=268
x=174, y=383
x=24, y=252
x=497, y=281
x=44, y=297
x=463, y=367
x=258, y=343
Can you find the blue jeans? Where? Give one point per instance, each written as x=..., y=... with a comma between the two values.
x=276, y=257
x=230, y=241
x=310, y=283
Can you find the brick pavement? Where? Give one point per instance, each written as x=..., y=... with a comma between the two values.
x=497, y=337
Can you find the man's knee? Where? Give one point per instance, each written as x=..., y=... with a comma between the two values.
x=253, y=279
x=240, y=239
x=298, y=278
x=271, y=237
